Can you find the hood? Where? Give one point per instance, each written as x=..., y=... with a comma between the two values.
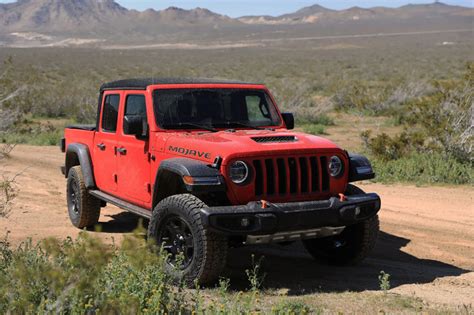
x=244, y=143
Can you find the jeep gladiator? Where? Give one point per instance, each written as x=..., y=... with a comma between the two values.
x=214, y=164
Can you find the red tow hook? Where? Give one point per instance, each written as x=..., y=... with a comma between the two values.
x=342, y=197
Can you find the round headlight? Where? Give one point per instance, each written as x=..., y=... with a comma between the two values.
x=335, y=166
x=239, y=172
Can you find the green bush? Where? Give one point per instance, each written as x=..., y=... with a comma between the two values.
x=305, y=115
x=315, y=129
x=291, y=307
x=423, y=169
x=389, y=148
x=363, y=97
x=436, y=145
x=86, y=276
x=445, y=116
x=41, y=138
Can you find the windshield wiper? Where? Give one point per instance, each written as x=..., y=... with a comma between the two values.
x=189, y=124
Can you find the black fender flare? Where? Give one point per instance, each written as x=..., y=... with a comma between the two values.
x=78, y=154
x=360, y=168
x=180, y=167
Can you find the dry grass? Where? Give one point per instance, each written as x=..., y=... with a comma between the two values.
x=6, y=149
x=348, y=127
x=8, y=193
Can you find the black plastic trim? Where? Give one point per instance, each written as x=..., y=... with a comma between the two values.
x=283, y=217
x=143, y=83
x=189, y=167
x=62, y=145
x=359, y=168
x=289, y=120
x=82, y=127
x=145, y=213
x=80, y=151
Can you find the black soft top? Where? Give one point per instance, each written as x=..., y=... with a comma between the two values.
x=142, y=84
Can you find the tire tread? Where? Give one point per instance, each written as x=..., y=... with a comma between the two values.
x=212, y=261
x=90, y=205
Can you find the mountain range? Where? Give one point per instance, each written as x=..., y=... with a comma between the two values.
x=319, y=14
x=43, y=21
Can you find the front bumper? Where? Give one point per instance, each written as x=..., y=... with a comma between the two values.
x=261, y=218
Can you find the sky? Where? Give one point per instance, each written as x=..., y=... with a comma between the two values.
x=236, y=8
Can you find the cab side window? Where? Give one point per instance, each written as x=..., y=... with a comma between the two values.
x=110, y=113
x=136, y=106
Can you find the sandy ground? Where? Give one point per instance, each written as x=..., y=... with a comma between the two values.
x=426, y=243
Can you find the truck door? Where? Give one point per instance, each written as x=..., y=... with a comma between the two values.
x=133, y=154
x=105, y=142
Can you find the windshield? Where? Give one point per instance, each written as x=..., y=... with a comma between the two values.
x=214, y=108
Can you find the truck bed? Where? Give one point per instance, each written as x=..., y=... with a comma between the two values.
x=82, y=127
x=80, y=134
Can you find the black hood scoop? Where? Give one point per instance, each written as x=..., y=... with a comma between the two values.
x=275, y=139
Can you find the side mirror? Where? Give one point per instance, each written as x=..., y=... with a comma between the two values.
x=135, y=125
x=289, y=120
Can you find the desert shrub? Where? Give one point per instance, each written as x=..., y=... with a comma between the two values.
x=8, y=119
x=423, y=169
x=291, y=307
x=380, y=98
x=86, y=276
x=402, y=95
x=314, y=111
x=438, y=125
x=362, y=96
x=446, y=116
x=6, y=149
x=315, y=129
x=51, y=137
x=388, y=148
x=8, y=193
x=9, y=114
x=384, y=281
x=306, y=115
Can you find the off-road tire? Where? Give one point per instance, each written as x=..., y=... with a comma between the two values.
x=85, y=210
x=356, y=241
x=210, y=249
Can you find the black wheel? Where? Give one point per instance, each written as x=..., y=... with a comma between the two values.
x=177, y=240
x=84, y=209
x=350, y=247
x=194, y=253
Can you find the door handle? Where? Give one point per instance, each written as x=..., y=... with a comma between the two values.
x=101, y=146
x=122, y=151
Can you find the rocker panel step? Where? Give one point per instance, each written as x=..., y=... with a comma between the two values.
x=145, y=213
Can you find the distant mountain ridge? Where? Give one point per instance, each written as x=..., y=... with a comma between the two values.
x=85, y=16
x=317, y=14
x=89, y=21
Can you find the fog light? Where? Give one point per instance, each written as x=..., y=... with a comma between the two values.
x=245, y=222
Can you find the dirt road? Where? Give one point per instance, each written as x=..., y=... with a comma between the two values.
x=426, y=244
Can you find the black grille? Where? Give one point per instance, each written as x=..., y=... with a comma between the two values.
x=291, y=175
x=275, y=139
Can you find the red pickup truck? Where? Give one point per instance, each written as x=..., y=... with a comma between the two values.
x=215, y=164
